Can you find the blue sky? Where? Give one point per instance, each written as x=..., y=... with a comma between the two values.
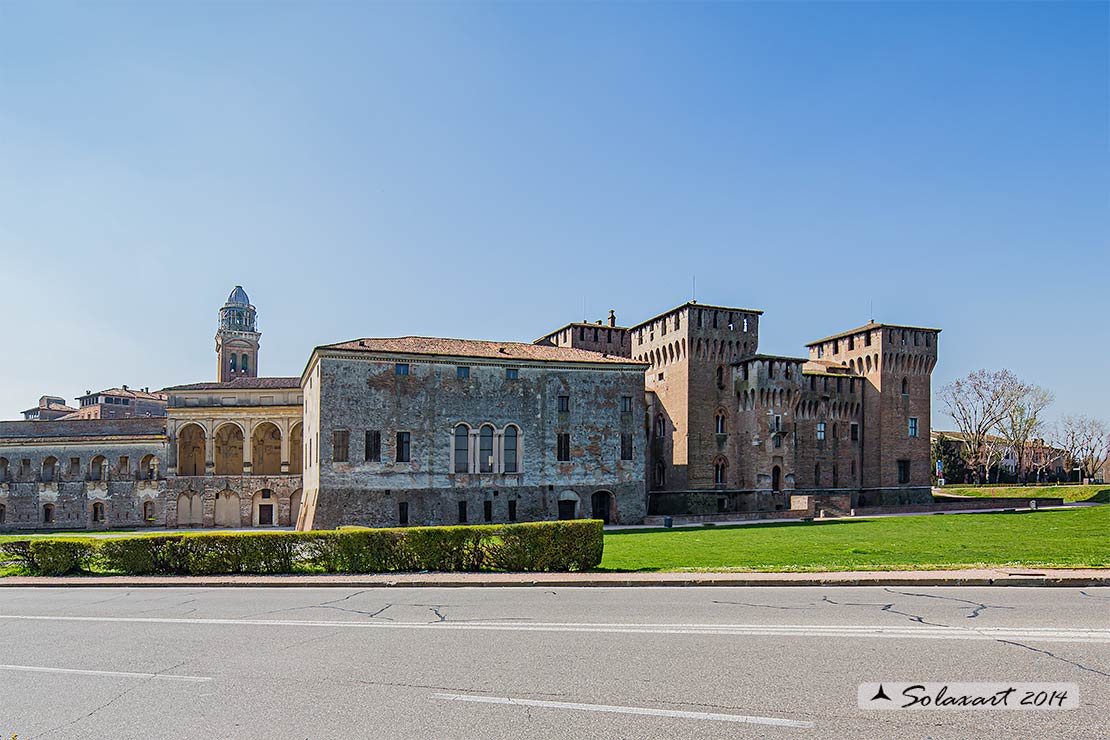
x=486, y=170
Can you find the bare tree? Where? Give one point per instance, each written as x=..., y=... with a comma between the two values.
x=1024, y=422
x=1085, y=442
x=978, y=404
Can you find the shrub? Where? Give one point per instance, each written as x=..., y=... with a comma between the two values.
x=157, y=554
x=549, y=546
x=18, y=551
x=61, y=556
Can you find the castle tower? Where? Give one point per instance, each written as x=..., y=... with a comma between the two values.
x=237, y=338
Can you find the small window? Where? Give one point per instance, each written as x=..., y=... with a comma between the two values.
x=512, y=511
x=719, y=472
x=778, y=441
x=626, y=446
x=867, y=339
x=48, y=513
x=462, y=512
x=564, y=404
x=404, y=441
x=512, y=373
x=905, y=386
x=820, y=431
x=148, y=510
x=626, y=404
x=913, y=426
x=462, y=372
x=853, y=431
x=903, y=471
x=340, y=444
x=373, y=450
x=98, y=512
x=720, y=377
x=719, y=423
x=403, y=513
x=487, y=511
x=563, y=451
x=401, y=368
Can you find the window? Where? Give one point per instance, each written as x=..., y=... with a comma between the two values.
x=867, y=339
x=512, y=373
x=401, y=368
x=74, y=466
x=462, y=373
x=776, y=423
x=404, y=441
x=913, y=426
x=719, y=472
x=626, y=446
x=817, y=475
x=626, y=404
x=563, y=451
x=851, y=343
x=340, y=444
x=564, y=404
x=905, y=386
x=903, y=471
x=373, y=449
x=245, y=364
x=485, y=449
x=778, y=441
x=853, y=432
x=462, y=449
x=233, y=365
x=511, y=444
x=512, y=511
x=148, y=510
x=124, y=468
x=660, y=475
x=98, y=512
x=462, y=512
x=487, y=511
x=820, y=431
x=403, y=513
x=660, y=426
x=48, y=513
x=720, y=377
x=719, y=423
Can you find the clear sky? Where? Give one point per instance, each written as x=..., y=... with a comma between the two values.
x=488, y=170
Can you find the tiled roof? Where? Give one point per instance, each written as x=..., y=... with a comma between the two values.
x=478, y=348
x=51, y=407
x=869, y=327
x=240, y=384
x=127, y=393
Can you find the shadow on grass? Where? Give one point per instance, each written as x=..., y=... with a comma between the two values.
x=757, y=525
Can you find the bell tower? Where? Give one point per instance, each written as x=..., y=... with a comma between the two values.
x=237, y=338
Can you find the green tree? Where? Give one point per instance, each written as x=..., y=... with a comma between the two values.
x=947, y=451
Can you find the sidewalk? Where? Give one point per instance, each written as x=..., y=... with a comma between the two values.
x=1075, y=578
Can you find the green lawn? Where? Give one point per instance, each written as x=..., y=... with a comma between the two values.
x=1059, y=538
x=1095, y=494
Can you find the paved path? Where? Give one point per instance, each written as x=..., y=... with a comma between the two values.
x=494, y=664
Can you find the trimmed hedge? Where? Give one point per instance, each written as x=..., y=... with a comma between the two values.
x=536, y=546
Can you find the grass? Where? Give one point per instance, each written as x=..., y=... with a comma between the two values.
x=1059, y=538
x=1093, y=494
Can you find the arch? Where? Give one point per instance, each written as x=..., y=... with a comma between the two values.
x=776, y=478
x=485, y=448
x=720, y=471
x=148, y=510
x=265, y=449
x=660, y=426
x=191, y=440
x=244, y=365
x=905, y=386
x=229, y=449
x=97, y=468
x=295, y=507
x=719, y=422
x=460, y=448
x=510, y=449
x=97, y=513
x=603, y=507
x=264, y=509
x=568, y=505
x=190, y=509
x=148, y=468
x=49, y=471
x=48, y=513
x=296, y=453
x=227, y=509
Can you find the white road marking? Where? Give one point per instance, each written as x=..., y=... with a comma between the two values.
x=778, y=721
x=118, y=674
x=926, y=632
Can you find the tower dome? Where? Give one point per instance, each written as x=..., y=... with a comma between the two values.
x=239, y=296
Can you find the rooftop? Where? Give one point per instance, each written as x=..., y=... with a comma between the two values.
x=238, y=295
x=240, y=384
x=127, y=393
x=695, y=304
x=478, y=348
x=870, y=326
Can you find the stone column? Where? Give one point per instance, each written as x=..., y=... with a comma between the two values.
x=209, y=449
x=285, y=434
x=248, y=448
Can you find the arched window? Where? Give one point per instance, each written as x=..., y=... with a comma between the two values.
x=509, y=457
x=776, y=478
x=905, y=386
x=660, y=475
x=485, y=449
x=719, y=422
x=232, y=362
x=98, y=512
x=245, y=365
x=462, y=449
x=719, y=472
x=48, y=513
x=660, y=426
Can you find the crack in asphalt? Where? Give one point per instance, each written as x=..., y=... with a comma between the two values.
x=979, y=607
x=1092, y=596
x=764, y=606
x=1053, y=655
x=888, y=607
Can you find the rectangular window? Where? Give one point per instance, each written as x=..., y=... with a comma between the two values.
x=512, y=373
x=462, y=373
x=820, y=431
x=564, y=404
x=509, y=442
x=403, y=513
x=462, y=449
x=626, y=446
x=74, y=465
x=913, y=426
x=462, y=512
x=851, y=343
x=487, y=511
x=512, y=511
x=626, y=404
x=404, y=440
x=563, y=451
x=853, y=431
x=903, y=471
x=340, y=442
x=373, y=446
x=401, y=368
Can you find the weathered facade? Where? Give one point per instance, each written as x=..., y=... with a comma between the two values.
x=417, y=430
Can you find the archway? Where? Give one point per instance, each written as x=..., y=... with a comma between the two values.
x=148, y=468
x=602, y=505
x=190, y=510
x=229, y=450
x=263, y=508
x=296, y=443
x=776, y=478
x=97, y=512
x=294, y=507
x=49, y=470
x=227, y=509
x=568, y=505
x=190, y=450
x=97, y=468
x=266, y=449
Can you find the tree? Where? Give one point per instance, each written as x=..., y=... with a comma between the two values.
x=1024, y=422
x=1085, y=442
x=978, y=404
x=947, y=452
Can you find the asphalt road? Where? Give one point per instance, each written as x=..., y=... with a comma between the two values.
x=236, y=664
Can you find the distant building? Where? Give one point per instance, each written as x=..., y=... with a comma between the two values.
x=49, y=408
x=120, y=403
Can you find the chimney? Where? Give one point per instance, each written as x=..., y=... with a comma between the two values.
x=125, y=386
x=612, y=317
